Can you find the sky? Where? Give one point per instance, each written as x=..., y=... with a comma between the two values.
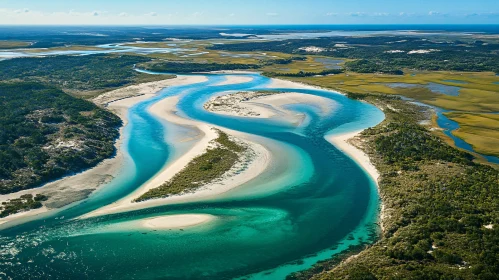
x=247, y=12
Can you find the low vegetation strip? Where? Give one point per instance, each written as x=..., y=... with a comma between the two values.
x=47, y=134
x=193, y=67
x=76, y=73
x=441, y=210
x=190, y=67
x=302, y=74
x=202, y=170
x=24, y=203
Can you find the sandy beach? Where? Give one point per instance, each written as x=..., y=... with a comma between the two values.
x=77, y=187
x=341, y=142
x=145, y=89
x=266, y=105
x=166, y=109
x=280, y=83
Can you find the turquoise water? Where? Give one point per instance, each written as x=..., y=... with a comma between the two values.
x=313, y=202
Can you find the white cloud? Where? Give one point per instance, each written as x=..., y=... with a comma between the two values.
x=232, y=15
x=123, y=14
x=433, y=13
x=404, y=14
x=357, y=14
x=381, y=14
x=272, y=14
x=331, y=14
x=152, y=14
x=197, y=14
x=95, y=13
x=21, y=11
x=482, y=15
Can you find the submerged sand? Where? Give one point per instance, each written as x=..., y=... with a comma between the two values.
x=176, y=221
x=166, y=109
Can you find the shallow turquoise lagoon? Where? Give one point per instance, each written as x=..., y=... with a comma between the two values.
x=312, y=203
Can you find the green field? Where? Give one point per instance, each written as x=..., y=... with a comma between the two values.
x=479, y=130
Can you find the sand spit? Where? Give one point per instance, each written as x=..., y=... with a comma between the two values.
x=341, y=141
x=256, y=162
x=262, y=104
x=77, y=187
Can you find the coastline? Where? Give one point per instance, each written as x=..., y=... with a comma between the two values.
x=166, y=109
x=74, y=188
x=342, y=142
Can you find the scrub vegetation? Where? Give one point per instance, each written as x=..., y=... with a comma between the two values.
x=193, y=66
x=202, y=170
x=80, y=75
x=24, y=203
x=440, y=217
x=390, y=54
x=47, y=134
x=186, y=67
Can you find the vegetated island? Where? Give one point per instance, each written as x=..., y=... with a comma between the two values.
x=232, y=103
x=439, y=217
x=224, y=157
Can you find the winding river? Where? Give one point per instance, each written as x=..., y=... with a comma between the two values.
x=312, y=202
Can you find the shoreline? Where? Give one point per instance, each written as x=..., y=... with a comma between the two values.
x=263, y=105
x=341, y=141
x=166, y=110
x=75, y=188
